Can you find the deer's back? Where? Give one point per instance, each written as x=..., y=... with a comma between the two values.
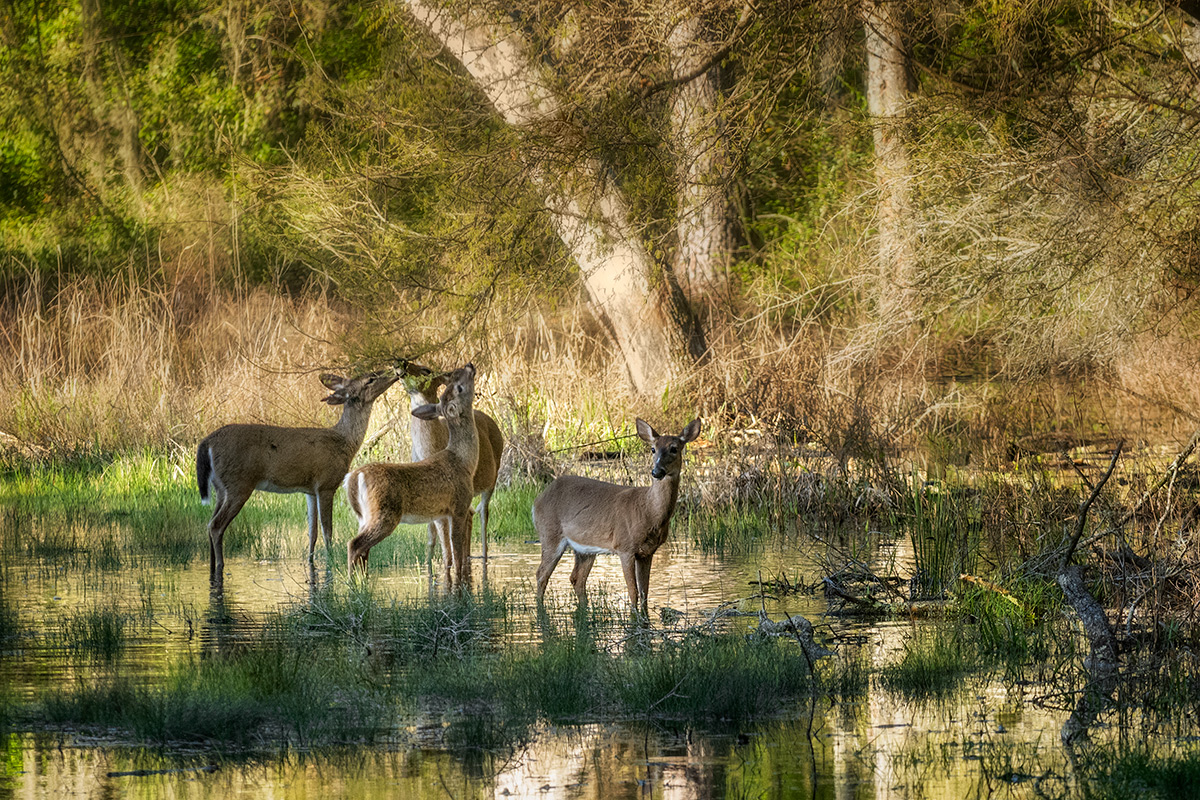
x=280, y=459
x=421, y=491
x=588, y=508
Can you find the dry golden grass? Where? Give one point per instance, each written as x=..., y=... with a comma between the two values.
x=120, y=363
x=110, y=365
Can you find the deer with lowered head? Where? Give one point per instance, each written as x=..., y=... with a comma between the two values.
x=237, y=459
x=593, y=517
x=431, y=435
x=437, y=488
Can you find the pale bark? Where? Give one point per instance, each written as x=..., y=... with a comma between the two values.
x=887, y=97
x=1101, y=664
x=587, y=212
x=704, y=238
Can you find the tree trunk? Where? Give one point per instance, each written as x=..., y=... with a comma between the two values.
x=587, y=212
x=887, y=95
x=1103, y=668
x=703, y=231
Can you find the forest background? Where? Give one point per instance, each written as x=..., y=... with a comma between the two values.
x=969, y=228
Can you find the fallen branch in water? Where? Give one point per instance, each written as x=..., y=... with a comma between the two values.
x=1101, y=663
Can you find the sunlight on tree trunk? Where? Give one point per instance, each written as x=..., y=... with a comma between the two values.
x=589, y=215
x=887, y=89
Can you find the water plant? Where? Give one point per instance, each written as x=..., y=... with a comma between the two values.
x=1014, y=622
x=99, y=631
x=933, y=663
x=1111, y=773
x=270, y=691
x=943, y=522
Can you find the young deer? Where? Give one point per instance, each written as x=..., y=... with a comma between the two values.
x=430, y=436
x=439, y=487
x=237, y=459
x=593, y=517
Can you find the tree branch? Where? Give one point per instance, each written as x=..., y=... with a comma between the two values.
x=1087, y=504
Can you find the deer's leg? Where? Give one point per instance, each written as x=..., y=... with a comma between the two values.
x=631, y=583
x=360, y=546
x=229, y=507
x=553, y=548
x=434, y=537
x=485, y=502
x=314, y=520
x=443, y=533
x=460, y=542
x=579, y=573
x=641, y=566
x=325, y=507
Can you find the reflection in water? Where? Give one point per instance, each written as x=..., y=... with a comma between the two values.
x=873, y=748
x=840, y=753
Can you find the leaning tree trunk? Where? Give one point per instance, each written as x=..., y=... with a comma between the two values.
x=887, y=95
x=587, y=212
x=703, y=217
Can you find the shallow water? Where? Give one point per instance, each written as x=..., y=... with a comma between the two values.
x=990, y=738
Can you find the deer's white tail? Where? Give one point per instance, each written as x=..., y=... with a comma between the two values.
x=353, y=484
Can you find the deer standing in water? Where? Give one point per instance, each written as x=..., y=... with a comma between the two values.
x=437, y=488
x=431, y=435
x=237, y=459
x=593, y=517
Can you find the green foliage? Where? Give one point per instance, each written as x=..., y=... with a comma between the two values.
x=1014, y=622
x=723, y=678
x=509, y=519
x=726, y=530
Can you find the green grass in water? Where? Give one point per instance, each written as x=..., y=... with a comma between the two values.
x=933, y=664
x=99, y=631
x=277, y=692
x=1142, y=774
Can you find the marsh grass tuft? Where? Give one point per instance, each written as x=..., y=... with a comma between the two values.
x=451, y=625
x=270, y=691
x=728, y=530
x=846, y=677
x=727, y=677
x=943, y=521
x=1144, y=774
x=1014, y=622
x=509, y=519
x=100, y=631
x=934, y=663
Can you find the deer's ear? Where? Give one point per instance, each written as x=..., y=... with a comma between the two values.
x=331, y=381
x=335, y=399
x=691, y=431
x=644, y=430
x=426, y=412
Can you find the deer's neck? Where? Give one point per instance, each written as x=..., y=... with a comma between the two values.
x=353, y=423
x=663, y=495
x=418, y=399
x=464, y=439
